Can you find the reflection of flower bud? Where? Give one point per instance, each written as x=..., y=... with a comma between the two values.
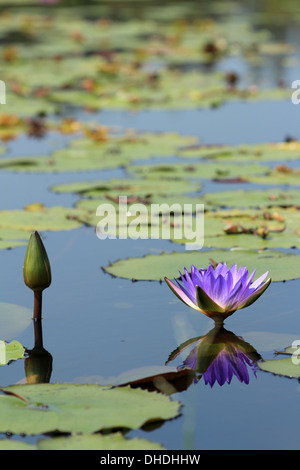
x=36, y=269
x=38, y=366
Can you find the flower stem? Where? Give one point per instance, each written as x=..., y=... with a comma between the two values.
x=37, y=309
x=38, y=335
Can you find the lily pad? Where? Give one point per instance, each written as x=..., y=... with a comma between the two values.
x=288, y=366
x=10, y=351
x=42, y=218
x=253, y=198
x=282, y=266
x=251, y=229
x=114, y=441
x=100, y=150
x=284, y=367
x=13, y=444
x=201, y=170
x=10, y=238
x=80, y=408
x=250, y=153
x=128, y=187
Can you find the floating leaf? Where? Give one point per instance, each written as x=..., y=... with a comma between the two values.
x=282, y=266
x=86, y=154
x=285, y=367
x=253, y=198
x=264, y=152
x=114, y=441
x=128, y=187
x=230, y=172
x=250, y=229
x=80, y=408
x=10, y=238
x=12, y=444
x=44, y=218
x=10, y=351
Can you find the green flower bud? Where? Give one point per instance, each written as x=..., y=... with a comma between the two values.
x=36, y=269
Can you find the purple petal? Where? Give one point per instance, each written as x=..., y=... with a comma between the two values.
x=219, y=291
x=181, y=295
x=252, y=297
x=258, y=281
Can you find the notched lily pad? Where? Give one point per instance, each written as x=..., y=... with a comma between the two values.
x=42, y=218
x=114, y=441
x=92, y=152
x=282, y=266
x=128, y=187
x=287, y=366
x=10, y=351
x=256, y=198
x=80, y=408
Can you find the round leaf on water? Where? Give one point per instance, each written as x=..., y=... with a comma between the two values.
x=282, y=266
x=265, y=152
x=128, y=187
x=82, y=408
x=10, y=238
x=285, y=367
x=86, y=154
x=114, y=441
x=12, y=444
x=253, y=198
x=250, y=229
x=10, y=351
x=52, y=218
x=202, y=170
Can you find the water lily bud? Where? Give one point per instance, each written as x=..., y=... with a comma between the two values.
x=36, y=269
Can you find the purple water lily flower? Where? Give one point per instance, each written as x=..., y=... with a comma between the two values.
x=219, y=292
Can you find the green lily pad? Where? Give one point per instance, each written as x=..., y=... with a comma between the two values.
x=12, y=444
x=281, y=175
x=88, y=153
x=114, y=441
x=10, y=238
x=288, y=366
x=250, y=229
x=41, y=218
x=10, y=351
x=80, y=408
x=282, y=266
x=264, y=152
x=284, y=367
x=253, y=198
x=128, y=187
x=202, y=170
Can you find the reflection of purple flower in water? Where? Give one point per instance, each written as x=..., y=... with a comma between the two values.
x=219, y=292
x=219, y=356
x=226, y=365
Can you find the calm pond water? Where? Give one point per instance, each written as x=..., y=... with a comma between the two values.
x=97, y=327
